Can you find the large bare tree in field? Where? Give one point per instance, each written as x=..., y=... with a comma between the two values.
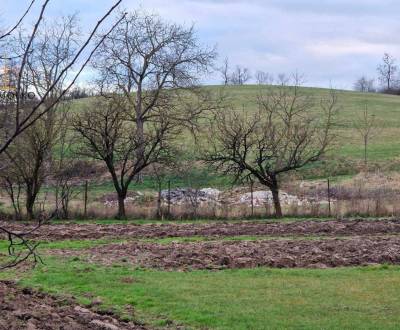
x=152, y=64
x=150, y=69
x=285, y=134
x=20, y=113
x=108, y=134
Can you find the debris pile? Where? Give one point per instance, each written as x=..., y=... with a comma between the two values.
x=181, y=196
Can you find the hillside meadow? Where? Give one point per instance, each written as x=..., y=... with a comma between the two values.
x=384, y=142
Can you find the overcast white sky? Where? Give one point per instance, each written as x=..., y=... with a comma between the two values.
x=331, y=41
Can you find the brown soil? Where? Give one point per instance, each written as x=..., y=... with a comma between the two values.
x=300, y=228
x=354, y=251
x=29, y=309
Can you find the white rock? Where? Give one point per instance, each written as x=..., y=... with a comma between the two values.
x=263, y=197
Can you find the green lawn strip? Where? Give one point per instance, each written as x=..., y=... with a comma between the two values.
x=343, y=298
x=77, y=244
x=67, y=244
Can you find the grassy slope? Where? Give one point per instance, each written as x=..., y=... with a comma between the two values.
x=385, y=143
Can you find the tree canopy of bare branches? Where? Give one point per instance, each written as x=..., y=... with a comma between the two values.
x=285, y=134
x=148, y=71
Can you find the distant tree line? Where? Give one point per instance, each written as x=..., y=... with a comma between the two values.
x=388, y=80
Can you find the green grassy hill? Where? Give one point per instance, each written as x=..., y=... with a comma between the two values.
x=346, y=157
x=385, y=142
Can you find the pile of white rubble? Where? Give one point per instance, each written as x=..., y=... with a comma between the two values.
x=181, y=196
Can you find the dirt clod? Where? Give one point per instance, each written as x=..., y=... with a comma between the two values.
x=28, y=309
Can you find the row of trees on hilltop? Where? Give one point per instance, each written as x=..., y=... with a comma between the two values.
x=241, y=75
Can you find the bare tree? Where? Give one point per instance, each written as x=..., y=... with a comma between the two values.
x=65, y=169
x=31, y=154
x=224, y=70
x=284, y=135
x=363, y=84
x=160, y=172
x=155, y=65
x=110, y=135
x=13, y=185
x=30, y=158
x=240, y=76
x=388, y=72
x=366, y=129
x=17, y=116
x=264, y=78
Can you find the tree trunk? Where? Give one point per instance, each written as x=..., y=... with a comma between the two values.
x=30, y=202
x=139, y=132
x=365, y=152
x=277, y=202
x=121, y=207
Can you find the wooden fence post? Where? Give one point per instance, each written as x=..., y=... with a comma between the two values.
x=169, y=199
x=252, y=198
x=329, y=198
x=85, y=199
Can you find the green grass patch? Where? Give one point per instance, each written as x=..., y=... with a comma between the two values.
x=345, y=298
x=67, y=244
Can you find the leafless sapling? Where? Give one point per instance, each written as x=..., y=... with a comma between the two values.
x=366, y=128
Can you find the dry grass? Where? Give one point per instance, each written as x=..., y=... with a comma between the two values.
x=366, y=194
